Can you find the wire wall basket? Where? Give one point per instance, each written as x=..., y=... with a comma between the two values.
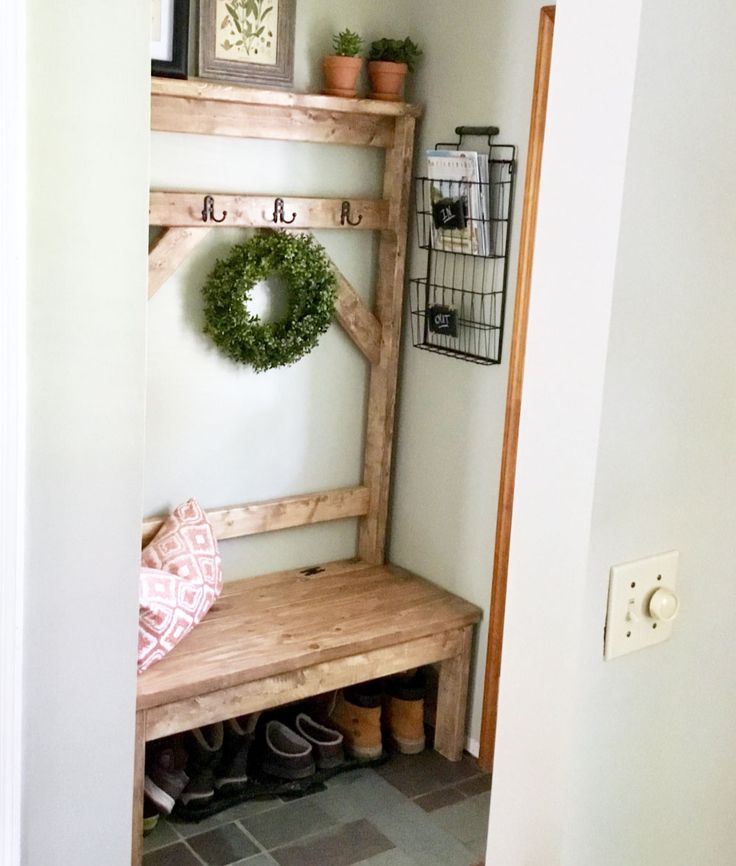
x=458, y=307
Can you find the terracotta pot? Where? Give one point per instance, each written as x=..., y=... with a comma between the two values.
x=387, y=79
x=341, y=75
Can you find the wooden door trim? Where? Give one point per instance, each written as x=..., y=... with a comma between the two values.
x=515, y=385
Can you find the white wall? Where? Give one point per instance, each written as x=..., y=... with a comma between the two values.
x=87, y=185
x=12, y=420
x=626, y=762
x=479, y=70
x=658, y=726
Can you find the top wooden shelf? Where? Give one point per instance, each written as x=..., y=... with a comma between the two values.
x=199, y=89
x=207, y=108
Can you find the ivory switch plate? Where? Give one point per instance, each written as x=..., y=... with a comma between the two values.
x=630, y=625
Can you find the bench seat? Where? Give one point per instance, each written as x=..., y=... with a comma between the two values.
x=288, y=635
x=277, y=638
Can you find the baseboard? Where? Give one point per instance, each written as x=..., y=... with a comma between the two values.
x=472, y=747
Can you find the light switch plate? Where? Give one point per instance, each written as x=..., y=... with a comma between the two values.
x=630, y=625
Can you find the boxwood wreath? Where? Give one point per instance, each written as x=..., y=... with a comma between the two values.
x=312, y=293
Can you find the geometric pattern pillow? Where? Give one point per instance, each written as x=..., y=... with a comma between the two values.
x=180, y=579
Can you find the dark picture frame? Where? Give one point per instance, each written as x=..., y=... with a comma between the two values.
x=177, y=48
x=231, y=32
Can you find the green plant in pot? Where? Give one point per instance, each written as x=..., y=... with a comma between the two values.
x=341, y=69
x=388, y=62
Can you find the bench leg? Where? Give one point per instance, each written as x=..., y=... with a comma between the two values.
x=452, y=701
x=136, y=857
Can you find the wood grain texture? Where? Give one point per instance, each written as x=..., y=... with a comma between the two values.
x=515, y=387
x=307, y=103
x=281, y=624
x=357, y=320
x=169, y=252
x=297, y=685
x=283, y=513
x=452, y=700
x=272, y=121
x=257, y=211
x=139, y=765
x=384, y=375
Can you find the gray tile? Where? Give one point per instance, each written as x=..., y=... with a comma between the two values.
x=414, y=832
x=439, y=799
x=478, y=849
x=258, y=860
x=366, y=795
x=164, y=834
x=394, y=857
x=290, y=822
x=477, y=785
x=223, y=846
x=172, y=855
x=350, y=778
x=467, y=821
x=419, y=774
x=242, y=810
x=344, y=846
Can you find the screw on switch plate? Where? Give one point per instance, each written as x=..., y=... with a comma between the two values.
x=642, y=604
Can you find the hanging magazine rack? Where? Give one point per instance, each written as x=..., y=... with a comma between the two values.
x=463, y=209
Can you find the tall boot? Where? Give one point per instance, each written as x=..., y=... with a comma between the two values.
x=232, y=773
x=205, y=751
x=357, y=716
x=403, y=709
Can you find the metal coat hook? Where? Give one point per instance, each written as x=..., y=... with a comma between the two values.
x=208, y=211
x=278, y=212
x=345, y=216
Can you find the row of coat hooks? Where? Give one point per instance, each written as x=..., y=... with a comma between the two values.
x=279, y=215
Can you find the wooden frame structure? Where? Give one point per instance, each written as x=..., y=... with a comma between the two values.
x=515, y=387
x=214, y=109
x=278, y=638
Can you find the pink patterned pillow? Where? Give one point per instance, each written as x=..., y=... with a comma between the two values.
x=181, y=577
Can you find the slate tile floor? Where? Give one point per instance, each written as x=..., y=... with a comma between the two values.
x=419, y=810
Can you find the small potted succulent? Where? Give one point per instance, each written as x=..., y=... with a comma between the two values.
x=342, y=68
x=388, y=62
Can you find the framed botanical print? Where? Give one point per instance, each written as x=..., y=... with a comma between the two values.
x=169, y=37
x=248, y=41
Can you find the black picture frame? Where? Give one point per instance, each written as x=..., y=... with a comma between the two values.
x=178, y=66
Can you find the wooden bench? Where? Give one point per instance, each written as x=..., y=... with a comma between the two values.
x=277, y=638
x=291, y=635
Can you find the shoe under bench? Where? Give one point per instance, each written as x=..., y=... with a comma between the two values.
x=282, y=637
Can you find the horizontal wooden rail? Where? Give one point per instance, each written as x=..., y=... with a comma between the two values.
x=257, y=211
x=207, y=117
x=284, y=513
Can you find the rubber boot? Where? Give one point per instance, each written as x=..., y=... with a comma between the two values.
x=357, y=716
x=232, y=774
x=205, y=751
x=403, y=709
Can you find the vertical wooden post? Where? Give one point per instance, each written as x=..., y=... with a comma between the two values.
x=384, y=374
x=139, y=769
x=452, y=701
x=516, y=379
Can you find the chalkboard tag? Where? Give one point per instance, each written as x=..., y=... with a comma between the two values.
x=450, y=213
x=442, y=320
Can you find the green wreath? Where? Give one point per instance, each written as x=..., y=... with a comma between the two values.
x=312, y=290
